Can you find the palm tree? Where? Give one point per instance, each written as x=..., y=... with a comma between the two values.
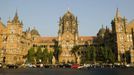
x=57, y=52
x=74, y=51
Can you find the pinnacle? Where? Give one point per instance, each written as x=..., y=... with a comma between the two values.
x=117, y=13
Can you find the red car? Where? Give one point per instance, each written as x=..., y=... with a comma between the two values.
x=75, y=66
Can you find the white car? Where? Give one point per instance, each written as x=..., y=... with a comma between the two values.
x=80, y=67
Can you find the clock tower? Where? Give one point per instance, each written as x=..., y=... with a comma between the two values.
x=67, y=37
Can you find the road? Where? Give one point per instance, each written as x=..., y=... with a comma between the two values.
x=44, y=71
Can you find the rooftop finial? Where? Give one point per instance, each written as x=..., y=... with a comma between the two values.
x=68, y=10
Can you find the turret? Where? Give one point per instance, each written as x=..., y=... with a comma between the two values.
x=34, y=33
x=119, y=31
x=117, y=23
x=125, y=23
x=101, y=32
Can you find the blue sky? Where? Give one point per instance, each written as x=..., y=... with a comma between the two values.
x=44, y=14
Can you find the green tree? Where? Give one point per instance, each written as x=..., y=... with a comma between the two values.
x=111, y=56
x=57, y=51
x=94, y=54
x=104, y=54
x=31, y=55
x=108, y=55
x=74, y=51
x=88, y=54
x=45, y=56
x=50, y=57
x=91, y=54
x=39, y=55
x=99, y=53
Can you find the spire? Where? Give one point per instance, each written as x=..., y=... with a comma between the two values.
x=117, y=13
x=60, y=18
x=106, y=27
x=28, y=29
x=0, y=19
x=16, y=17
x=102, y=26
x=34, y=27
x=1, y=23
x=16, y=14
x=125, y=18
x=9, y=19
x=21, y=22
x=76, y=18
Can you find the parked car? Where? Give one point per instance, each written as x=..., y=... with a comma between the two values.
x=12, y=66
x=30, y=65
x=75, y=66
x=81, y=67
x=66, y=65
x=39, y=65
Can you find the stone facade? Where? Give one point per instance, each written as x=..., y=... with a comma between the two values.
x=67, y=38
x=124, y=38
x=14, y=42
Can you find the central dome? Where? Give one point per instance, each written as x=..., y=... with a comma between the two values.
x=69, y=15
